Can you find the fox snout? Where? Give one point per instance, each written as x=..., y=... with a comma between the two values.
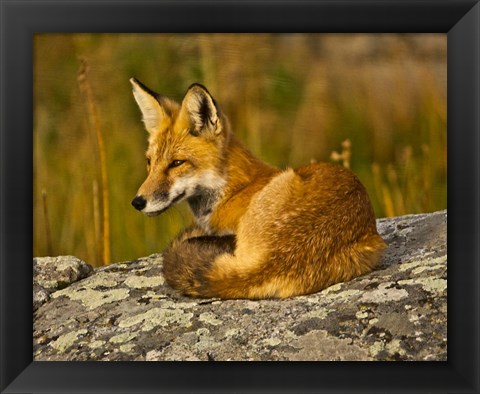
x=139, y=203
x=153, y=207
x=155, y=203
x=141, y=200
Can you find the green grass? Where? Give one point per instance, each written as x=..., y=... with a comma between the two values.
x=291, y=99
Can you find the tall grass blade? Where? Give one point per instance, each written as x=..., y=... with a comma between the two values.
x=95, y=124
x=47, y=223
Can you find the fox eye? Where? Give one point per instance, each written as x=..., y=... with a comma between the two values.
x=148, y=161
x=176, y=163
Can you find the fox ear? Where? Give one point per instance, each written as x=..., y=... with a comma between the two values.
x=148, y=101
x=201, y=109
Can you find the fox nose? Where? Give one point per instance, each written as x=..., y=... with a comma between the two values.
x=139, y=202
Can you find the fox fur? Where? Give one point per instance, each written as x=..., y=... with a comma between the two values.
x=259, y=232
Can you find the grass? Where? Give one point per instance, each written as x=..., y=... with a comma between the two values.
x=101, y=232
x=292, y=99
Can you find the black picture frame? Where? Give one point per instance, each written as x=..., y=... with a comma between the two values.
x=20, y=20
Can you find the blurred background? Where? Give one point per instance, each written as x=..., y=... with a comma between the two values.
x=373, y=102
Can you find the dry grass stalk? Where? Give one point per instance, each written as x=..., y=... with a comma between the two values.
x=95, y=124
x=96, y=220
x=47, y=223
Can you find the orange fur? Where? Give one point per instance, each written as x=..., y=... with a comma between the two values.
x=260, y=232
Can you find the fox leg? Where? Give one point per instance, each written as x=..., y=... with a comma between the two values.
x=190, y=256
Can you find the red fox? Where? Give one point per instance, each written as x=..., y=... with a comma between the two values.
x=259, y=232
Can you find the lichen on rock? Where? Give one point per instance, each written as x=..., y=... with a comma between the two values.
x=55, y=273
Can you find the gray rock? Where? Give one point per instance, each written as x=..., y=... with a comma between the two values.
x=126, y=311
x=55, y=273
x=40, y=296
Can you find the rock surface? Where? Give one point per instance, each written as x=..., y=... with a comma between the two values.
x=125, y=311
x=55, y=273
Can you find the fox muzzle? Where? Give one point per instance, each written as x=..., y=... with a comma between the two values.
x=139, y=203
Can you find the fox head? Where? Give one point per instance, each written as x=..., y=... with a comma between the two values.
x=185, y=150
